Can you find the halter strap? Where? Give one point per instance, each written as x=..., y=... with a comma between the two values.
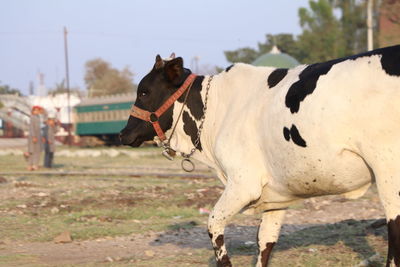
x=153, y=117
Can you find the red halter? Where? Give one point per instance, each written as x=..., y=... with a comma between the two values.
x=153, y=117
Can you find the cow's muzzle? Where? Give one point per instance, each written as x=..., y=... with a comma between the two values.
x=129, y=139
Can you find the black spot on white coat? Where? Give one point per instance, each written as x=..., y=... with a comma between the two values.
x=286, y=133
x=305, y=85
x=391, y=60
x=276, y=76
x=294, y=134
x=190, y=128
x=296, y=137
x=194, y=101
x=229, y=68
x=308, y=78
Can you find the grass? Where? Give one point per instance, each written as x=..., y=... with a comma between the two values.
x=22, y=260
x=341, y=244
x=90, y=208
x=38, y=208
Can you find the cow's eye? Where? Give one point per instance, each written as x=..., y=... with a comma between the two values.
x=142, y=94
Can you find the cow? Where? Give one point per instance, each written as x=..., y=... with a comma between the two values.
x=276, y=136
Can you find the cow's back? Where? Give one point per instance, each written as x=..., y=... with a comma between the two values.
x=312, y=132
x=323, y=140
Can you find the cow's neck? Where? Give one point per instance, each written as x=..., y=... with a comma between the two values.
x=227, y=93
x=188, y=122
x=187, y=129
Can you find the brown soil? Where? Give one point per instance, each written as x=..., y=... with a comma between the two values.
x=182, y=240
x=202, y=197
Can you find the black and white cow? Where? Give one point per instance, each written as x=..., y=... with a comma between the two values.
x=276, y=136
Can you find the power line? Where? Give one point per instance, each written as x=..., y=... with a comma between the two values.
x=135, y=36
x=29, y=33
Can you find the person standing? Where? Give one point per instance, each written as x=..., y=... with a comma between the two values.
x=49, y=132
x=34, y=144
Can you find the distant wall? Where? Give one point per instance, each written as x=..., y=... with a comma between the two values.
x=389, y=23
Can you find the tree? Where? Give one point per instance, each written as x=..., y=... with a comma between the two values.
x=330, y=29
x=6, y=89
x=101, y=79
x=320, y=40
x=322, y=37
x=60, y=88
x=285, y=42
x=353, y=22
x=246, y=55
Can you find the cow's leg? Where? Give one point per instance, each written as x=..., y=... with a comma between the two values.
x=268, y=234
x=392, y=211
x=394, y=242
x=232, y=200
x=388, y=183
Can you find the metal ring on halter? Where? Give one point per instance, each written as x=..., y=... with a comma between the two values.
x=153, y=117
x=187, y=165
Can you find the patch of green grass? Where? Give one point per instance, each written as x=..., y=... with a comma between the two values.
x=316, y=256
x=341, y=244
x=90, y=224
x=124, y=222
x=12, y=163
x=23, y=260
x=93, y=207
x=198, y=257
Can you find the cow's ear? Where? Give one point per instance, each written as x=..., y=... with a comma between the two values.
x=159, y=63
x=174, y=69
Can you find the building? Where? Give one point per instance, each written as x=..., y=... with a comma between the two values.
x=275, y=58
x=389, y=23
x=15, y=112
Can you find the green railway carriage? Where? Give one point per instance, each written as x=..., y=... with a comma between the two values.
x=103, y=117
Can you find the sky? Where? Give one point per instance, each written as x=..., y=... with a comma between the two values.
x=130, y=33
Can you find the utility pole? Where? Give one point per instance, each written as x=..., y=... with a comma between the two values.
x=195, y=64
x=31, y=88
x=369, y=25
x=67, y=84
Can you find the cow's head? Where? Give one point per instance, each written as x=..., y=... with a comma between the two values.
x=153, y=90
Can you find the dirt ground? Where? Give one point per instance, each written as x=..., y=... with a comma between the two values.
x=318, y=226
x=330, y=210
